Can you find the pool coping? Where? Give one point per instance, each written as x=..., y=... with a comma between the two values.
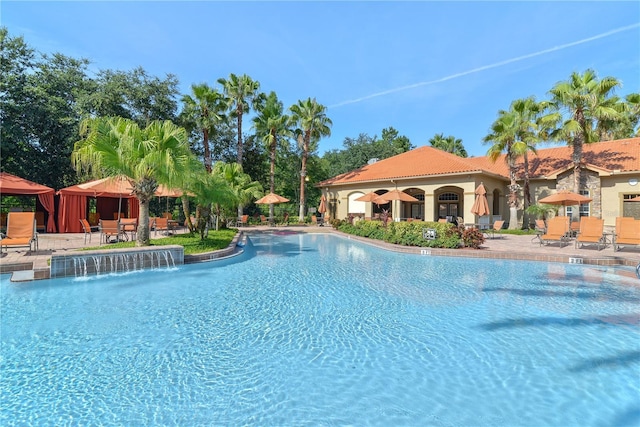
x=40, y=269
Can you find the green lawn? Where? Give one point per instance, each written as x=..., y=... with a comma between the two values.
x=191, y=242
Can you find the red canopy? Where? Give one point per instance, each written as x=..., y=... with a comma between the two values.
x=73, y=200
x=16, y=186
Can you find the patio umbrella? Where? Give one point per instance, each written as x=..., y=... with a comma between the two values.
x=369, y=197
x=565, y=198
x=271, y=198
x=635, y=199
x=323, y=205
x=116, y=186
x=480, y=205
x=394, y=195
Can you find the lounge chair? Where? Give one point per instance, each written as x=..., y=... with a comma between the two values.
x=497, y=226
x=40, y=225
x=285, y=218
x=591, y=231
x=574, y=228
x=627, y=232
x=320, y=220
x=21, y=231
x=129, y=225
x=264, y=220
x=242, y=221
x=557, y=231
x=162, y=224
x=88, y=229
x=108, y=229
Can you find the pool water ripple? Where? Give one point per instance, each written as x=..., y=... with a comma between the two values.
x=319, y=330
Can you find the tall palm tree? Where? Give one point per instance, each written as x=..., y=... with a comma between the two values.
x=240, y=91
x=450, y=144
x=503, y=136
x=271, y=123
x=154, y=155
x=313, y=123
x=204, y=109
x=588, y=104
x=534, y=125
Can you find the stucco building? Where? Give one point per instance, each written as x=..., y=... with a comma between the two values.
x=445, y=184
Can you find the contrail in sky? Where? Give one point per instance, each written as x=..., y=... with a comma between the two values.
x=487, y=67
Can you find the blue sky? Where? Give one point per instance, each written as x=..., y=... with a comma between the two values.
x=421, y=67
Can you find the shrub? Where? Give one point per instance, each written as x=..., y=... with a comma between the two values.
x=471, y=237
x=405, y=233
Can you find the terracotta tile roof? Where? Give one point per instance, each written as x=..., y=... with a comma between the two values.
x=622, y=155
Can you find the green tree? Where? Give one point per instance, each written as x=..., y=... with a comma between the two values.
x=313, y=123
x=272, y=125
x=157, y=154
x=357, y=152
x=241, y=184
x=241, y=92
x=450, y=144
x=203, y=111
x=17, y=60
x=133, y=95
x=589, y=108
x=534, y=126
x=504, y=135
x=209, y=189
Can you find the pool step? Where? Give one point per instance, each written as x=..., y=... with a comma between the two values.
x=22, y=276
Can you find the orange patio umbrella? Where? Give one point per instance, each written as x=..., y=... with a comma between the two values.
x=395, y=195
x=369, y=197
x=480, y=205
x=565, y=198
x=271, y=198
x=635, y=199
x=323, y=205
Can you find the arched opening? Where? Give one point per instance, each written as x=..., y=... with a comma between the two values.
x=495, y=208
x=449, y=203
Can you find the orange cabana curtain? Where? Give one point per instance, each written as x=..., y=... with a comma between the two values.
x=46, y=200
x=71, y=209
x=134, y=208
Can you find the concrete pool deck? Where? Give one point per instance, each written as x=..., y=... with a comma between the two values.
x=505, y=246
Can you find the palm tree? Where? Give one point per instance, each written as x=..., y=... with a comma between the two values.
x=450, y=144
x=313, y=123
x=209, y=189
x=154, y=155
x=272, y=124
x=504, y=135
x=204, y=110
x=588, y=104
x=240, y=91
x=534, y=126
x=244, y=189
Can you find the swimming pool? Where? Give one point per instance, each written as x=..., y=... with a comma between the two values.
x=313, y=329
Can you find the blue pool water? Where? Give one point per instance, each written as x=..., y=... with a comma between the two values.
x=320, y=330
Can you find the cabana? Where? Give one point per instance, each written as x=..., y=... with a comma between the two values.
x=11, y=185
x=112, y=195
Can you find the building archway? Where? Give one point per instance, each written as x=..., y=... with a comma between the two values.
x=449, y=203
x=495, y=205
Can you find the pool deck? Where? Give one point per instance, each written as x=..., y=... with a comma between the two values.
x=506, y=246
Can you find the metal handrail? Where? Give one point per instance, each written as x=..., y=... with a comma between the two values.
x=638, y=271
